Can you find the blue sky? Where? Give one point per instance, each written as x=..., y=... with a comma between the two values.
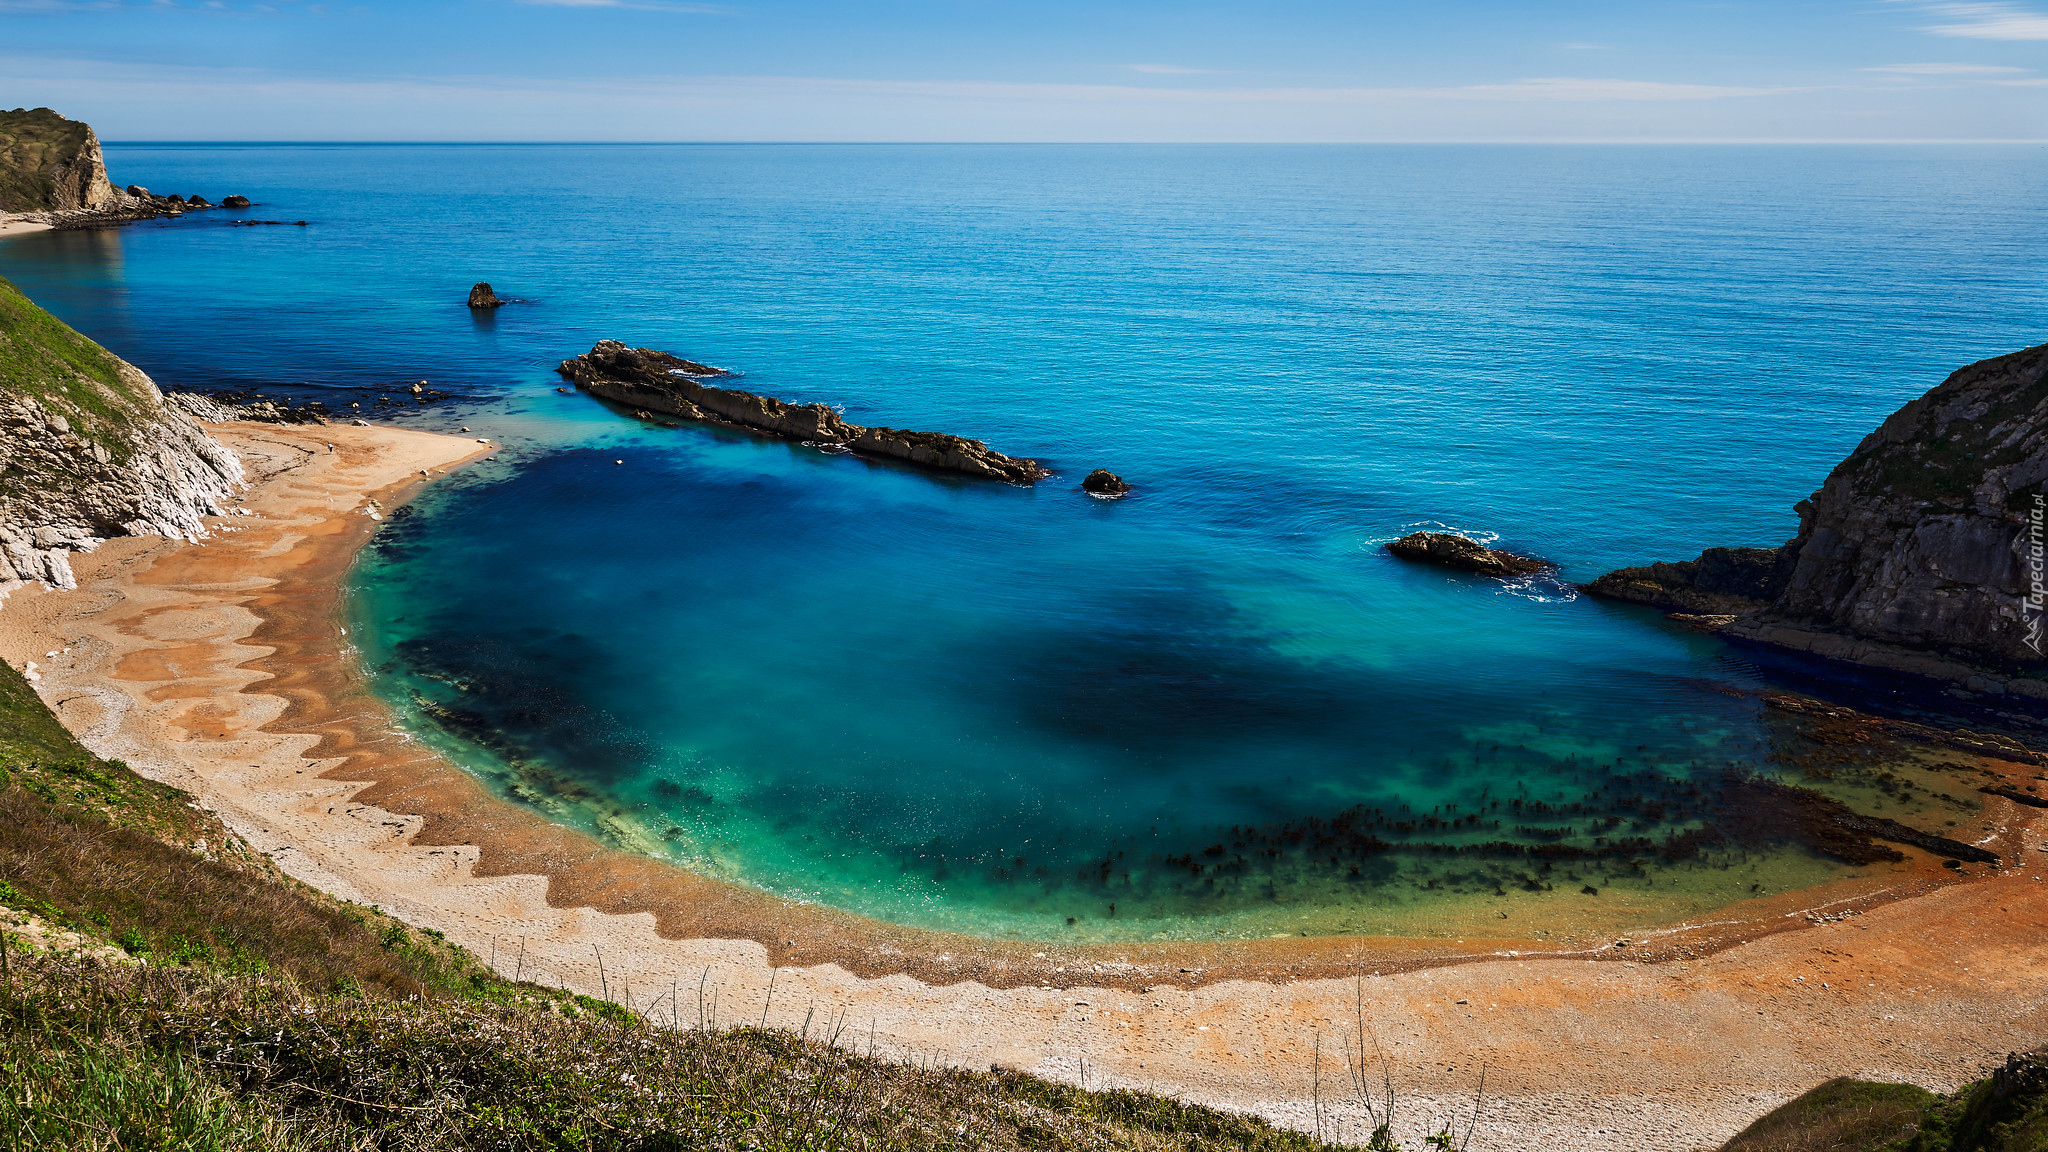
x=915, y=70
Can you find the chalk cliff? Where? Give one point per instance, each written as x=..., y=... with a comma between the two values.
x=1922, y=552
x=48, y=163
x=89, y=449
x=659, y=382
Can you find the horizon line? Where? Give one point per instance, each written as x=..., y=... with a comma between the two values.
x=1646, y=141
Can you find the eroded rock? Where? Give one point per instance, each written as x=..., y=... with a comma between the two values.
x=1454, y=551
x=1103, y=482
x=481, y=296
x=1917, y=555
x=657, y=381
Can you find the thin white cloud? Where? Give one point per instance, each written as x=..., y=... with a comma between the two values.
x=1945, y=69
x=1172, y=70
x=1987, y=21
x=634, y=5
x=2036, y=82
x=1577, y=90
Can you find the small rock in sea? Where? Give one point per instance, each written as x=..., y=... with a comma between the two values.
x=1103, y=482
x=1454, y=551
x=481, y=296
x=481, y=440
x=175, y=198
x=198, y=202
x=618, y=461
x=139, y=192
x=419, y=388
x=234, y=201
x=360, y=423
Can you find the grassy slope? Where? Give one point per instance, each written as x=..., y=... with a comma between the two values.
x=30, y=141
x=2003, y=1113
x=270, y=1017
x=43, y=359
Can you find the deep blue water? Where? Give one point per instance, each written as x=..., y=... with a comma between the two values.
x=963, y=704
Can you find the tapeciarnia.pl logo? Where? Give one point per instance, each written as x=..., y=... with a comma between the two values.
x=2037, y=566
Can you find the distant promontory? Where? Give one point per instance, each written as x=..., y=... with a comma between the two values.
x=52, y=171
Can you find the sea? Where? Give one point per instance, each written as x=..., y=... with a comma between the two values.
x=1214, y=709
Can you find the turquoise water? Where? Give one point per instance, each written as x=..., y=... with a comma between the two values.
x=1215, y=708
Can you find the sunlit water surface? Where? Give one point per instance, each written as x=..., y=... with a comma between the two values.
x=1213, y=709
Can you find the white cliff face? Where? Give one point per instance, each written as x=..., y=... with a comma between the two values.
x=81, y=182
x=74, y=478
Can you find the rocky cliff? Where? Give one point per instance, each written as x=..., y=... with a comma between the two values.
x=660, y=382
x=48, y=163
x=89, y=449
x=1922, y=552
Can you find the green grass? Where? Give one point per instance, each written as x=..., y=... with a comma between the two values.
x=96, y=1055
x=2005, y=1112
x=1839, y=1116
x=41, y=356
x=90, y=846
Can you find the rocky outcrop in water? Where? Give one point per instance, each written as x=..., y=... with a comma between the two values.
x=481, y=296
x=1723, y=581
x=656, y=381
x=1103, y=482
x=1922, y=552
x=1454, y=551
x=91, y=450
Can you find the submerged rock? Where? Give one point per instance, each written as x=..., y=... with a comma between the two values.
x=1103, y=482
x=1921, y=553
x=481, y=296
x=1454, y=551
x=660, y=382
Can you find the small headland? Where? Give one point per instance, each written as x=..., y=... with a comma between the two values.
x=655, y=381
x=54, y=175
x=1921, y=553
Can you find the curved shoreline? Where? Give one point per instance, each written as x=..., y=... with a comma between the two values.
x=220, y=668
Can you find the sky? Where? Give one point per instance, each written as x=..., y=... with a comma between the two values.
x=1045, y=70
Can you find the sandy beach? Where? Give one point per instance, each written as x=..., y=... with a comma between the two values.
x=223, y=667
x=17, y=226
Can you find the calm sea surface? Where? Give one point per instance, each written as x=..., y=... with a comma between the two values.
x=1215, y=708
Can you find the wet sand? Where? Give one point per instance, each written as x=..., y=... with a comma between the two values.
x=223, y=668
